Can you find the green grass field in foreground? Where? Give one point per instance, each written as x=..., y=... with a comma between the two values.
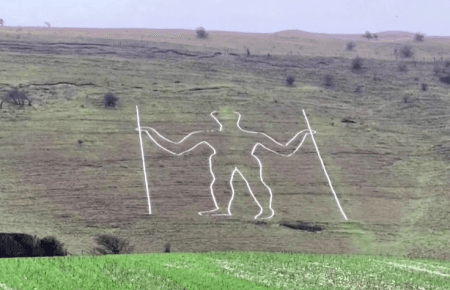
x=223, y=270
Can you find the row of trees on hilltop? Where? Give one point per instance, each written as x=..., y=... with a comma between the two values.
x=417, y=37
x=369, y=35
x=1, y=23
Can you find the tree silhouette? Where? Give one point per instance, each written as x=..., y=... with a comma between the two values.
x=419, y=37
x=201, y=33
x=367, y=35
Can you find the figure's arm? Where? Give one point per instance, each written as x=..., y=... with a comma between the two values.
x=284, y=149
x=185, y=145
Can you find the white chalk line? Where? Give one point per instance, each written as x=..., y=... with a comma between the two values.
x=414, y=268
x=232, y=174
x=143, y=162
x=323, y=166
x=236, y=169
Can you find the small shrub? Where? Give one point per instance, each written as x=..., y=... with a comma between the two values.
x=290, y=80
x=437, y=68
x=328, y=80
x=424, y=86
x=375, y=36
x=16, y=98
x=419, y=37
x=24, y=245
x=49, y=247
x=350, y=45
x=358, y=89
x=402, y=67
x=167, y=248
x=357, y=63
x=10, y=247
x=406, y=51
x=112, y=245
x=201, y=33
x=367, y=35
x=109, y=100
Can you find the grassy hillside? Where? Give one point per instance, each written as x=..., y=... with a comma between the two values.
x=72, y=168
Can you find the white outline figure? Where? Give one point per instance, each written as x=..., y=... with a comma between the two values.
x=311, y=132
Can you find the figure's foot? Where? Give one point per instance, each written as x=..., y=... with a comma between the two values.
x=215, y=212
x=267, y=213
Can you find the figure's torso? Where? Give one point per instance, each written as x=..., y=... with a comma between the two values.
x=232, y=146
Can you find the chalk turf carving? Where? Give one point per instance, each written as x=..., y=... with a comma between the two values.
x=223, y=173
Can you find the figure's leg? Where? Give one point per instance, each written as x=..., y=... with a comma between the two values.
x=221, y=191
x=261, y=193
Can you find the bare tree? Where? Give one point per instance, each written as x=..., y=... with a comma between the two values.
x=1, y=22
x=47, y=23
x=15, y=97
x=112, y=245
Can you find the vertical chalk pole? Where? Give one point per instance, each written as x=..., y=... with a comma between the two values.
x=323, y=166
x=143, y=161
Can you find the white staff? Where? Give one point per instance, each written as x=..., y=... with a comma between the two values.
x=143, y=162
x=323, y=166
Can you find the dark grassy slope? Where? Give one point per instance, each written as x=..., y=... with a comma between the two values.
x=388, y=165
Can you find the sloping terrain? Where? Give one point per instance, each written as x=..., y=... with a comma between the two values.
x=72, y=168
